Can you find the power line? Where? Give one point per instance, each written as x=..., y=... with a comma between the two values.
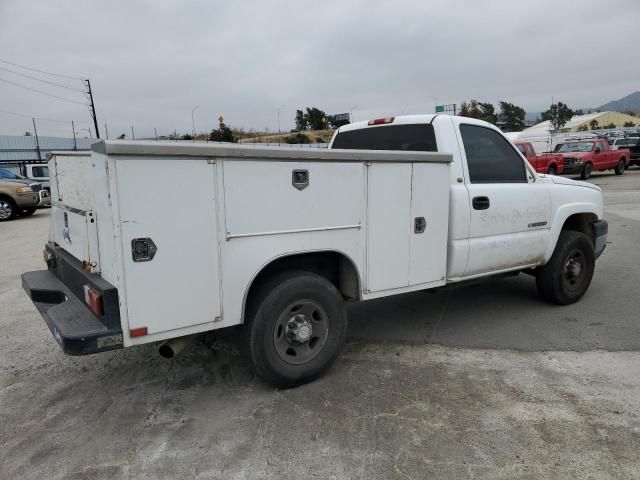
x=41, y=92
x=43, y=81
x=40, y=71
x=41, y=118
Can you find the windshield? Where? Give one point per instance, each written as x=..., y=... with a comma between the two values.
x=575, y=147
x=4, y=173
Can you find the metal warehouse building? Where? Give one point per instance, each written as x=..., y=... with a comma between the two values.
x=584, y=121
x=18, y=150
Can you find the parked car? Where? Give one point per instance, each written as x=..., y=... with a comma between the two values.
x=17, y=197
x=278, y=239
x=586, y=156
x=630, y=143
x=546, y=163
x=40, y=187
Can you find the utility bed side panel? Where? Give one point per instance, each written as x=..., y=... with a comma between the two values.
x=264, y=197
x=388, y=226
x=170, y=201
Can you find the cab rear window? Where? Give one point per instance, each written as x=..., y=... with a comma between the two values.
x=413, y=137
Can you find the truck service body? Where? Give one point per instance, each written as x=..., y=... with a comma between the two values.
x=155, y=241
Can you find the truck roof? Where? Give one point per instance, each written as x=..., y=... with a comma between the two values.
x=259, y=153
x=398, y=120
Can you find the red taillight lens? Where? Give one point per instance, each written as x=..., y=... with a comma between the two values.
x=138, y=332
x=382, y=121
x=93, y=299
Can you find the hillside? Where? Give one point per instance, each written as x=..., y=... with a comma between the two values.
x=630, y=102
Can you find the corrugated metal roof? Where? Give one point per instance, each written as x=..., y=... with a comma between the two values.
x=23, y=148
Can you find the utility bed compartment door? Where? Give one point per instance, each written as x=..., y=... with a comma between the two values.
x=172, y=202
x=407, y=224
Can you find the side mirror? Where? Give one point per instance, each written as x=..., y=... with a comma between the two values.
x=597, y=150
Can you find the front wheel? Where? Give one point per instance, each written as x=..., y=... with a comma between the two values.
x=296, y=326
x=553, y=170
x=567, y=276
x=620, y=168
x=585, y=173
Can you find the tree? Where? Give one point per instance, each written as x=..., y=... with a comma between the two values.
x=316, y=118
x=301, y=121
x=187, y=136
x=629, y=112
x=583, y=128
x=629, y=124
x=610, y=125
x=222, y=134
x=594, y=125
x=512, y=116
x=479, y=110
x=578, y=112
x=558, y=115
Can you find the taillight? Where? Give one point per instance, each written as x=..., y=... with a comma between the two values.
x=94, y=300
x=138, y=332
x=382, y=121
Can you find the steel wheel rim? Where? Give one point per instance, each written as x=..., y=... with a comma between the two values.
x=301, y=331
x=5, y=210
x=574, y=271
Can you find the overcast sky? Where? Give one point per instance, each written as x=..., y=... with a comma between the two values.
x=150, y=62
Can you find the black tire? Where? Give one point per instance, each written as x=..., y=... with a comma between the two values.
x=620, y=168
x=25, y=212
x=296, y=299
x=553, y=170
x=567, y=276
x=585, y=173
x=8, y=209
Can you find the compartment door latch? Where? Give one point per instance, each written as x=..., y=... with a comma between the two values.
x=419, y=225
x=143, y=249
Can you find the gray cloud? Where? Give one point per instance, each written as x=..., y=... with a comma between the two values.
x=150, y=62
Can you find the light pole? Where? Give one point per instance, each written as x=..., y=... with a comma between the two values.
x=193, y=122
x=278, y=110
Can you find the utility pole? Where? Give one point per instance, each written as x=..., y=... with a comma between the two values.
x=73, y=128
x=133, y=135
x=278, y=110
x=92, y=106
x=106, y=130
x=155, y=130
x=193, y=123
x=35, y=130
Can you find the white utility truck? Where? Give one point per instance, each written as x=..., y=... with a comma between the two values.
x=158, y=241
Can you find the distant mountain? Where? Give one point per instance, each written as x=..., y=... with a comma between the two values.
x=630, y=102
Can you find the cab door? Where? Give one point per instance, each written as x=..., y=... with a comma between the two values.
x=601, y=156
x=510, y=211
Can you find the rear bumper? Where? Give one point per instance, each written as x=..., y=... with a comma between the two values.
x=601, y=228
x=55, y=293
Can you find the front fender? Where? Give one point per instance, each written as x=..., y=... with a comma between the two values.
x=562, y=213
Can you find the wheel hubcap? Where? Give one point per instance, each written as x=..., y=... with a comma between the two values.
x=574, y=268
x=301, y=331
x=5, y=210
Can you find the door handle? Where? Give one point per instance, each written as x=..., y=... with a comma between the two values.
x=480, y=203
x=419, y=225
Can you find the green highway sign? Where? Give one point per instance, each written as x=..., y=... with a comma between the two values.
x=439, y=108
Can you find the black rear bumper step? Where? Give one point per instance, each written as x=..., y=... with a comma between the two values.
x=76, y=328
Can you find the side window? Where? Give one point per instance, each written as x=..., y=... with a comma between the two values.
x=530, y=151
x=522, y=149
x=490, y=156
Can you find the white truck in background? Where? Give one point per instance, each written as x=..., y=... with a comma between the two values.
x=158, y=241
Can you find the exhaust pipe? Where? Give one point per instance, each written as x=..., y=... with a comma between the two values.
x=171, y=348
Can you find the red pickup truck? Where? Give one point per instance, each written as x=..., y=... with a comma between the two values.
x=545, y=163
x=586, y=156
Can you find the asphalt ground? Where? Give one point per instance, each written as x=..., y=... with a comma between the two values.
x=484, y=381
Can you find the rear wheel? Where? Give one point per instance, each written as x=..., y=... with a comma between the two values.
x=585, y=173
x=296, y=326
x=553, y=170
x=567, y=276
x=620, y=168
x=7, y=209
